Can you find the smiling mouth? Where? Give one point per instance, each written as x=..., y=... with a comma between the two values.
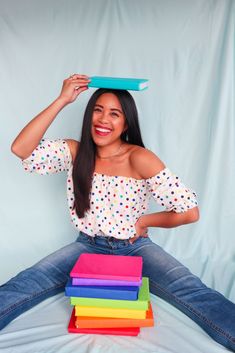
x=102, y=131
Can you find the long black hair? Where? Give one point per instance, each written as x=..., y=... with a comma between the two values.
x=84, y=163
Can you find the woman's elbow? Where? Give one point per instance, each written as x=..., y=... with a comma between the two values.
x=193, y=215
x=15, y=151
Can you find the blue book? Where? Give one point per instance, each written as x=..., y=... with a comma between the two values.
x=105, y=292
x=134, y=84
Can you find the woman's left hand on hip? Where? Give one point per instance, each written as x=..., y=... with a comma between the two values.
x=141, y=231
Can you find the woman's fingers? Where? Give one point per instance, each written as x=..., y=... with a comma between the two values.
x=79, y=81
x=80, y=89
x=73, y=86
x=77, y=76
x=140, y=232
x=80, y=85
x=133, y=239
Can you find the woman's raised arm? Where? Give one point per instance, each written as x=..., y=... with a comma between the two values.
x=30, y=136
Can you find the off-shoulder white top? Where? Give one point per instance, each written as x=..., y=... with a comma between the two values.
x=116, y=202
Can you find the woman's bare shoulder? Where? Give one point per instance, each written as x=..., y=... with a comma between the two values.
x=73, y=146
x=145, y=162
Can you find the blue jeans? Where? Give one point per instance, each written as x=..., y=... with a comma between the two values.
x=169, y=279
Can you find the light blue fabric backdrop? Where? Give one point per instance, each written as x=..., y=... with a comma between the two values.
x=186, y=49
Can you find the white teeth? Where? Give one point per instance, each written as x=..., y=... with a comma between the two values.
x=102, y=130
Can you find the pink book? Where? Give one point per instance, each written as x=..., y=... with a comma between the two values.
x=128, y=268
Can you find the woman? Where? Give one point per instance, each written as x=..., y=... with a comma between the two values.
x=111, y=177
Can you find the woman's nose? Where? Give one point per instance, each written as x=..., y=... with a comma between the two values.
x=104, y=117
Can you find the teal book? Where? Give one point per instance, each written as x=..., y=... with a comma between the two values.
x=134, y=84
x=141, y=303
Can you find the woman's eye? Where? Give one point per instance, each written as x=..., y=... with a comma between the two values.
x=97, y=110
x=115, y=114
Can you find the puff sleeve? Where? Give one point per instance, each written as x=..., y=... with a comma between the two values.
x=49, y=157
x=169, y=192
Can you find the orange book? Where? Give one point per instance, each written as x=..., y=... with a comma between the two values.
x=105, y=322
x=120, y=331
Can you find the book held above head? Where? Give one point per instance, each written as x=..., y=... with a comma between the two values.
x=125, y=83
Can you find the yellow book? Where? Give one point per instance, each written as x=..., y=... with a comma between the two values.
x=109, y=312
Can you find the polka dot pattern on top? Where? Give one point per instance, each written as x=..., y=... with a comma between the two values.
x=116, y=202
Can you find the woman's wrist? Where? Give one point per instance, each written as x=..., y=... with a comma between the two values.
x=63, y=101
x=142, y=221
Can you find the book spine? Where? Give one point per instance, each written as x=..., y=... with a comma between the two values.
x=107, y=277
x=115, y=84
x=121, y=295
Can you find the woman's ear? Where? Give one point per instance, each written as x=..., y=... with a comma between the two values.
x=125, y=127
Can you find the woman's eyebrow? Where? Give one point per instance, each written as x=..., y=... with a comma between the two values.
x=117, y=110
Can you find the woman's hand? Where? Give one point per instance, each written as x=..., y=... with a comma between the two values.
x=141, y=230
x=72, y=87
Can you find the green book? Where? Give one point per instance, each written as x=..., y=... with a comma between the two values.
x=141, y=303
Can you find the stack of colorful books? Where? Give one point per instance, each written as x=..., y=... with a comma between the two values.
x=109, y=295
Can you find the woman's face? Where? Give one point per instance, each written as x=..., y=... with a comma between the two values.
x=108, y=120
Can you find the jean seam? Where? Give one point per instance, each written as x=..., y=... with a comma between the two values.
x=197, y=313
x=33, y=296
